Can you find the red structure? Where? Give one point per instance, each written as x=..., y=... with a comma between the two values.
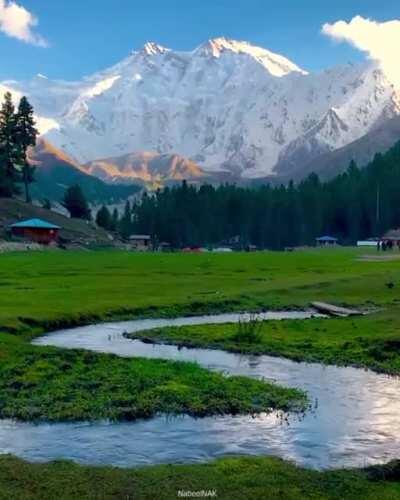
x=36, y=230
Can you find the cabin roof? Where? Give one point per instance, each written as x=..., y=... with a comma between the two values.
x=34, y=224
x=326, y=238
x=140, y=237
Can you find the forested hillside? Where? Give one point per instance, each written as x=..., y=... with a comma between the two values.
x=357, y=204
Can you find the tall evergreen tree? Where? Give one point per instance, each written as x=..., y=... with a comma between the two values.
x=103, y=218
x=114, y=220
x=26, y=137
x=125, y=224
x=10, y=153
x=76, y=204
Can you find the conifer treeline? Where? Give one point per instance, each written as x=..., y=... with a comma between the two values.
x=357, y=204
x=17, y=134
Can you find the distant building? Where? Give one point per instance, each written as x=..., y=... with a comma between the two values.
x=326, y=241
x=222, y=250
x=371, y=242
x=37, y=230
x=393, y=235
x=140, y=242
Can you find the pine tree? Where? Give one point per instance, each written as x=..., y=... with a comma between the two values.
x=9, y=150
x=76, y=204
x=114, y=220
x=125, y=224
x=103, y=218
x=26, y=137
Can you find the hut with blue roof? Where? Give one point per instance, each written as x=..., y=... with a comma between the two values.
x=326, y=241
x=37, y=230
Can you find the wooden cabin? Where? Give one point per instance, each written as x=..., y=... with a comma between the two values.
x=37, y=230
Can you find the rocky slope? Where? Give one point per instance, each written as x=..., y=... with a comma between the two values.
x=73, y=231
x=152, y=169
x=56, y=171
x=362, y=151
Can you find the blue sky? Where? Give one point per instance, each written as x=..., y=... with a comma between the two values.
x=87, y=35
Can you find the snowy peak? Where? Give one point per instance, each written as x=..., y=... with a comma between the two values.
x=216, y=46
x=153, y=48
x=276, y=64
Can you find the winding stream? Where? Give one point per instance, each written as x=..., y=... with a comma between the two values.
x=355, y=422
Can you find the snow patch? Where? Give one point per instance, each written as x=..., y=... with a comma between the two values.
x=101, y=87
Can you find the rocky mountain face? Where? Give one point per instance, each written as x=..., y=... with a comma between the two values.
x=152, y=169
x=227, y=106
x=55, y=172
x=379, y=140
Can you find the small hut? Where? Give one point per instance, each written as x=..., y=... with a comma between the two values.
x=326, y=241
x=37, y=230
x=140, y=242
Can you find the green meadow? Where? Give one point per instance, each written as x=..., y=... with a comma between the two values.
x=38, y=383
x=231, y=478
x=47, y=290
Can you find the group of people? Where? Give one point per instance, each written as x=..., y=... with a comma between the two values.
x=387, y=245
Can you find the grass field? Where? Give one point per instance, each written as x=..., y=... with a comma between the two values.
x=46, y=290
x=230, y=478
x=51, y=288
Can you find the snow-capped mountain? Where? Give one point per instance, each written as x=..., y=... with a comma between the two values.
x=226, y=105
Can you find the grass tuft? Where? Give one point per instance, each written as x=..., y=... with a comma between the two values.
x=248, y=330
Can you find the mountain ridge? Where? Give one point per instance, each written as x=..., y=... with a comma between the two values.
x=150, y=168
x=362, y=151
x=56, y=171
x=228, y=106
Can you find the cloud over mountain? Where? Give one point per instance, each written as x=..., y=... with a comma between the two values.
x=380, y=40
x=18, y=22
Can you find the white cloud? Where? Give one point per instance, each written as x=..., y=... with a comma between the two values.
x=17, y=22
x=380, y=40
